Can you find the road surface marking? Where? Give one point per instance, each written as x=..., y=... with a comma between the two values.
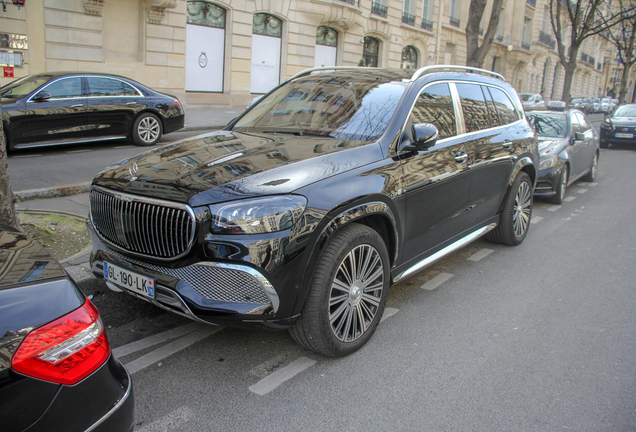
x=170, y=422
x=581, y=191
x=569, y=199
x=272, y=381
x=592, y=184
x=79, y=151
x=480, y=255
x=554, y=208
x=121, y=147
x=25, y=156
x=436, y=281
x=171, y=348
x=536, y=219
x=388, y=313
x=140, y=344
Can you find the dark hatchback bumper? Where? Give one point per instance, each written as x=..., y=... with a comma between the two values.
x=103, y=402
x=609, y=137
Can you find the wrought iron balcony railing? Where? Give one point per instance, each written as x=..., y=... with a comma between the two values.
x=426, y=24
x=379, y=9
x=407, y=18
x=532, y=3
x=454, y=21
x=547, y=40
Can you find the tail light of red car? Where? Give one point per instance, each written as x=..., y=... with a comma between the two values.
x=66, y=350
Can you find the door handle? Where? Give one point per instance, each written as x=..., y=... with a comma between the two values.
x=77, y=106
x=131, y=103
x=461, y=157
x=507, y=144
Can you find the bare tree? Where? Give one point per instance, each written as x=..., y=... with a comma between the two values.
x=623, y=37
x=476, y=54
x=579, y=20
x=7, y=199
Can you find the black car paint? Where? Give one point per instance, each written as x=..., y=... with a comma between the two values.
x=613, y=125
x=35, y=290
x=30, y=122
x=342, y=180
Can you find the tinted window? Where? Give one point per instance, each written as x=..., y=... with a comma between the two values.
x=576, y=126
x=505, y=108
x=550, y=125
x=625, y=111
x=474, y=107
x=65, y=88
x=435, y=105
x=492, y=111
x=585, y=126
x=100, y=86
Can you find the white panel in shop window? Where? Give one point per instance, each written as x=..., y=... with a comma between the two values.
x=205, y=48
x=265, y=63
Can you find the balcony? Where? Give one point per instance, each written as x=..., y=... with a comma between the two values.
x=599, y=66
x=407, y=18
x=499, y=38
x=525, y=46
x=427, y=25
x=532, y=3
x=379, y=9
x=351, y=2
x=546, y=39
x=591, y=61
x=454, y=21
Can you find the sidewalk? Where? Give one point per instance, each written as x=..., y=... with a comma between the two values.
x=211, y=118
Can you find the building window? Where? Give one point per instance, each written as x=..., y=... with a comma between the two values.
x=371, y=51
x=326, y=47
x=409, y=57
x=267, y=33
x=267, y=25
x=454, y=12
x=11, y=58
x=327, y=36
x=205, y=14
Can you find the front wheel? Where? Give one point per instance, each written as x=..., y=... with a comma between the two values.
x=559, y=194
x=514, y=220
x=146, y=130
x=347, y=294
x=591, y=175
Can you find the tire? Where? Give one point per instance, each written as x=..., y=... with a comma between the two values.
x=514, y=219
x=591, y=175
x=559, y=192
x=340, y=314
x=146, y=130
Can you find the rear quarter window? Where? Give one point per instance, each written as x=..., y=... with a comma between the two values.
x=506, y=109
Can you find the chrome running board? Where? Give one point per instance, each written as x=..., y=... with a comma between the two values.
x=446, y=251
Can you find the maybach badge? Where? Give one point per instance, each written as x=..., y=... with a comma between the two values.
x=203, y=60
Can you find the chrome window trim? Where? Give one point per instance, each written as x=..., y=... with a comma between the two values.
x=153, y=201
x=140, y=94
x=30, y=100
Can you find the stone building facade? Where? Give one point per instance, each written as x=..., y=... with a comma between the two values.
x=222, y=53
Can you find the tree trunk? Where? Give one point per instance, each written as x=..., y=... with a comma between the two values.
x=7, y=199
x=570, y=69
x=623, y=91
x=476, y=54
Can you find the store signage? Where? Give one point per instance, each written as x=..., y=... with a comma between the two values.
x=13, y=41
x=8, y=72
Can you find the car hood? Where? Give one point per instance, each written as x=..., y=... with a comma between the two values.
x=623, y=121
x=226, y=165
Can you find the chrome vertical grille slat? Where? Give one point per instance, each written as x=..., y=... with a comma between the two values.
x=143, y=226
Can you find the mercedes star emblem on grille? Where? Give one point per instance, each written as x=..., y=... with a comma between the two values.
x=134, y=169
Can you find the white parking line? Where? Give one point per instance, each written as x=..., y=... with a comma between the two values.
x=592, y=184
x=388, y=313
x=436, y=281
x=272, y=381
x=25, y=156
x=569, y=199
x=554, y=208
x=170, y=422
x=140, y=344
x=480, y=255
x=171, y=348
x=122, y=147
x=536, y=219
x=581, y=191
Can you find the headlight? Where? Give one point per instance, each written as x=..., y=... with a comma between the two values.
x=254, y=216
x=548, y=162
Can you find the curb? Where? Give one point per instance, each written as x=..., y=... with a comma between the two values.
x=53, y=192
x=200, y=128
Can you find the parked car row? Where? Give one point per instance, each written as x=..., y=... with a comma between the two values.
x=594, y=105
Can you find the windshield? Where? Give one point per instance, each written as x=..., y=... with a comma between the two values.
x=575, y=101
x=625, y=111
x=587, y=100
x=344, y=108
x=23, y=86
x=605, y=100
x=525, y=97
x=596, y=100
x=550, y=125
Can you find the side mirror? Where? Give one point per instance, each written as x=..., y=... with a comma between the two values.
x=425, y=135
x=43, y=95
x=579, y=136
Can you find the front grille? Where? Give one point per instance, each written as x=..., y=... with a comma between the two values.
x=154, y=228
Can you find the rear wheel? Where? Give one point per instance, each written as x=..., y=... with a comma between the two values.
x=559, y=194
x=591, y=175
x=146, y=130
x=347, y=294
x=514, y=220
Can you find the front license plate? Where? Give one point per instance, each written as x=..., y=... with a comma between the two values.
x=130, y=280
x=620, y=135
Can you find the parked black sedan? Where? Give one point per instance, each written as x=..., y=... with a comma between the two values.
x=569, y=150
x=620, y=126
x=57, y=372
x=66, y=108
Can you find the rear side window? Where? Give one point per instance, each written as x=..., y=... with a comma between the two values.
x=505, y=108
x=100, y=86
x=435, y=105
x=474, y=107
x=492, y=111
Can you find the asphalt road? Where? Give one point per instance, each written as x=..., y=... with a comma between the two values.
x=42, y=167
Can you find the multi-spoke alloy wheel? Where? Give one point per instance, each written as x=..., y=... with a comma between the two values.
x=514, y=219
x=347, y=293
x=147, y=129
x=356, y=292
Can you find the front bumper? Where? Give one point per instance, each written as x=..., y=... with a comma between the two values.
x=548, y=180
x=609, y=136
x=205, y=291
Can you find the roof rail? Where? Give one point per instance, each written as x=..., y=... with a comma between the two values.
x=327, y=68
x=426, y=69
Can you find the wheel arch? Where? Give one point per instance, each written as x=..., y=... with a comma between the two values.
x=148, y=110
